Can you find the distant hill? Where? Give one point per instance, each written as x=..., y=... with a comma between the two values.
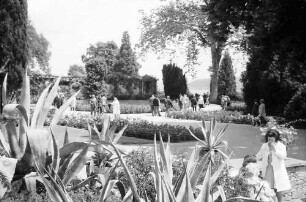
x=199, y=86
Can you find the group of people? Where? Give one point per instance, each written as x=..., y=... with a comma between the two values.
x=100, y=105
x=195, y=101
x=259, y=113
x=269, y=177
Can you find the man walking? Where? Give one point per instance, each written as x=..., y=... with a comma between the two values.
x=151, y=104
x=156, y=104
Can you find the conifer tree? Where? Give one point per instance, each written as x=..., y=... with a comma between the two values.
x=13, y=41
x=126, y=59
x=174, y=81
x=226, y=81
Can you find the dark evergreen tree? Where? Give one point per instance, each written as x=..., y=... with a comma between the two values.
x=13, y=41
x=126, y=59
x=227, y=83
x=174, y=81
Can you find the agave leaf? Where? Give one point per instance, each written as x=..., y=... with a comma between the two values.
x=64, y=165
x=204, y=130
x=128, y=195
x=179, y=184
x=119, y=134
x=204, y=194
x=121, y=189
x=70, y=148
x=107, y=187
x=215, y=176
x=201, y=141
x=157, y=174
x=95, y=130
x=166, y=159
x=188, y=197
x=62, y=109
x=39, y=106
x=47, y=104
x=192, y=160
x=25, y=94
x=3, y=142
x=129, y=176
x=222, y=193
x=4, y=90
x=105, y=127
x=66, y=139
x=89, y=180
x=198, y=170
x=167, y=187
x=55, y=191
x=221, y=133
x=55, y=159
x=76, y=165
x=111, y=132
x=13, y=141
x=38, y=144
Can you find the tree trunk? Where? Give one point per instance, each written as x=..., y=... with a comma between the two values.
x=216, y=51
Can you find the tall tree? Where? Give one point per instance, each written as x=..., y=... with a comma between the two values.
x=227, y=81
x=276, y=45
x=126, y=59
x=38, y=50
x=13, y=41
x=99, y=62
x=76, y=71
x=192, y=23
x=174, y=81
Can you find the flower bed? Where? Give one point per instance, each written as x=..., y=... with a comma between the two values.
x=221, y=116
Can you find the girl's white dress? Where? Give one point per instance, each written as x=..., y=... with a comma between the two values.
x=116, y=107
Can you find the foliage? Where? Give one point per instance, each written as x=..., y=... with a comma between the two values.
x=13, y=41
x=174, y=81
x=220, y=116
x=239, y=106
x=126, y=58
x=296, y=108
x=191, y=25
x=38, y=50
x=99, y=62
x=76, y=71
x=276, y=45
x=226, y=81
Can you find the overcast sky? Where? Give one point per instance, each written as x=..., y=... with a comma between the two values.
x=71, y=25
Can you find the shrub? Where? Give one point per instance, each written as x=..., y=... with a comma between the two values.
x=296, y=107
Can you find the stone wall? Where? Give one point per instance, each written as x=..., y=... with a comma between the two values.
x=297, y=174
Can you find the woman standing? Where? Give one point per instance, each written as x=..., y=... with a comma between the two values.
x=116, y=108
x=273, y=154
x=262, y=113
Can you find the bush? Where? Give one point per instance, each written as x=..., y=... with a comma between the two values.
x=296, y=107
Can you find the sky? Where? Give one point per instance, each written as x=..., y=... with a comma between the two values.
x=72, y=25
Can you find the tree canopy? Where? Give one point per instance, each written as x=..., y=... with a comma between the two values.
x=126, y=58
x=38, y=50
x=76, y=71
x=13, y=41
x=276, y=44
x=190, y=23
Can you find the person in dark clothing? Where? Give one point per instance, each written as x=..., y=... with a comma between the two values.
x=156, y=104
x=168, y=104
x=194, y=103
x=254, y=113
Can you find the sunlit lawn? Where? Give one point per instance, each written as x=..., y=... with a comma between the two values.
x=242, y=139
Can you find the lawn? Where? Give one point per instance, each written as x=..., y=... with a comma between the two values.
x=242, y=139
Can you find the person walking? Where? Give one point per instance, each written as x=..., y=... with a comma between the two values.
x=151, y=104
x=156, y=104
x=201, y=102
x=262, y=113
x=181, y=99
x=93, y=105
x=73, y=103
x=168, y=105
x=99, y=105
x=116, y=108
x=193, y=101
x=104, y=104
x=185, y=102
x=272, y=155
x=254, y=113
